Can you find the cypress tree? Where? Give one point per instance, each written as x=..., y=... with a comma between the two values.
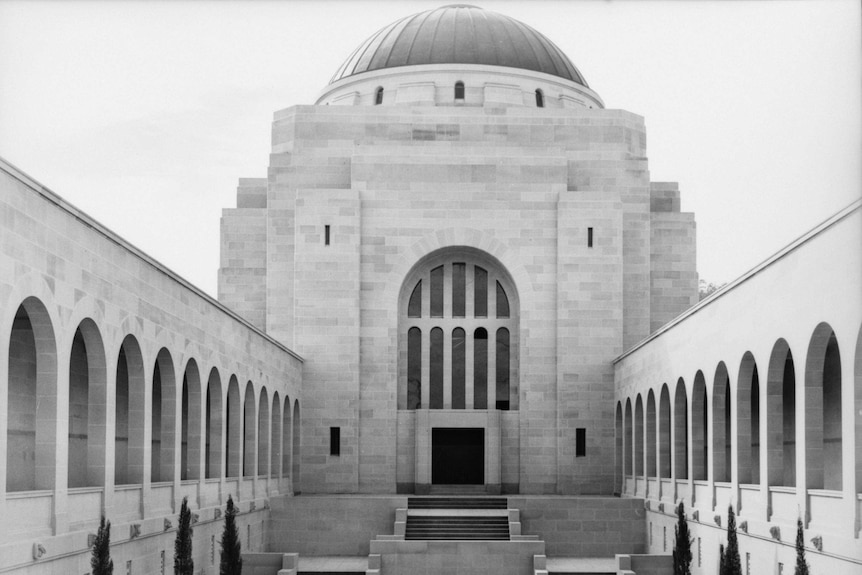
x=682, y=544
x=732, y=563
x=231, y=555
x=183, y=562
x=801, y=564
x=101, y=562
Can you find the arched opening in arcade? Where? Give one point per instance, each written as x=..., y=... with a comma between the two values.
x=87, y=407
x=31, y=400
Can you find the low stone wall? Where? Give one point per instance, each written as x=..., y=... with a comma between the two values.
x=584, y=526
x=457, y=557
x=330, y=524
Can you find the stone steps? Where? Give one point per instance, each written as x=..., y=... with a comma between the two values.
x=457, y=502
x=457, y=528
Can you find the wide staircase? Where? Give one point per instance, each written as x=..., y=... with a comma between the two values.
x=457, y=518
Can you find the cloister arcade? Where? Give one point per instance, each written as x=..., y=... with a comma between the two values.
x=762, y=411
x=128, y=424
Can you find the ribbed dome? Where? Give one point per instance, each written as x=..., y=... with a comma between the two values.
x=459, y=34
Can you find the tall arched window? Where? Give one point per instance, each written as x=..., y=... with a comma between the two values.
x=540, y=99
x=378, y=96
x=459, y=90
x=453, y=353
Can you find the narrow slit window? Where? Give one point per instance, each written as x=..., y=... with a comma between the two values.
x=414, y=307
x=459, y=90
x=581, y=442
x=334, y=441
x=458, y=289
x=480, y=292
x=414, y=368
x=540, y=99
x=437, y=292
x=326, y=234
x=589, y=237
x=502, y=369
x=480, y=368
x=378, y=97
x=502, y=302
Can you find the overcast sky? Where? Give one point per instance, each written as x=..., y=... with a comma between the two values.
x=145, y=114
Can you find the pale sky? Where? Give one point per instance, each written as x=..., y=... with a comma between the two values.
x=145, y=114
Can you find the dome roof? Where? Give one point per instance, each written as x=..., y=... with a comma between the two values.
x=459, y=34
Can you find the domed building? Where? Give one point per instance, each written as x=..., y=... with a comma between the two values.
x=458, y=238
x=457, y=331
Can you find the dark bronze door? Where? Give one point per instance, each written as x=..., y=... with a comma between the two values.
x=457, y=456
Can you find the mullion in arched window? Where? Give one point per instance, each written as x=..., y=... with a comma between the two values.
x=458, y=368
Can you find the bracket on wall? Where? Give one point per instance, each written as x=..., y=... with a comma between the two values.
x=217, y=513
x=695, y=515
x=661, y=507
x=818, y=542
x=91, y=539
x=717, y=519
x=167, y=524
x=266, y=503
x=775, y=531
x=134, y=530
x=647, y=504
x=252, y=506
x=195, y=518
x=744, y=526
x=38, y=551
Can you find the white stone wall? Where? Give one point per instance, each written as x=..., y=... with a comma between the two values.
x=68, y=271
x=793, y=301
x=520, y=184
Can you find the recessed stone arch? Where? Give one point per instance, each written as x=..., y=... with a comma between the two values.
x=129, y=402
x=214, y=426
x=680, y=431
x=296, y=455
x=88, y=401
x=163, y=418
x=651, y=433
x=286, y=437
x=249, y=430
x=31, y=401
x=699, y=428
x=618, y=451
x=721, y=416
x=781, y=416
x=233, y=425
x=823, y=439
x=190, y=419
x=628, y=440
x=639, y=436
x=263, y=423
x=664, y=433
x=857, y=375
x=434, y=341
x=275, y=437
x=748, y=417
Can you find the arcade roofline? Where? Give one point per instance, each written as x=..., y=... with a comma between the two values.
x=780, y=254
x=112, y=236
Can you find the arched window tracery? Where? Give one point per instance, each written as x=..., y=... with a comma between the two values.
x=454, y=353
